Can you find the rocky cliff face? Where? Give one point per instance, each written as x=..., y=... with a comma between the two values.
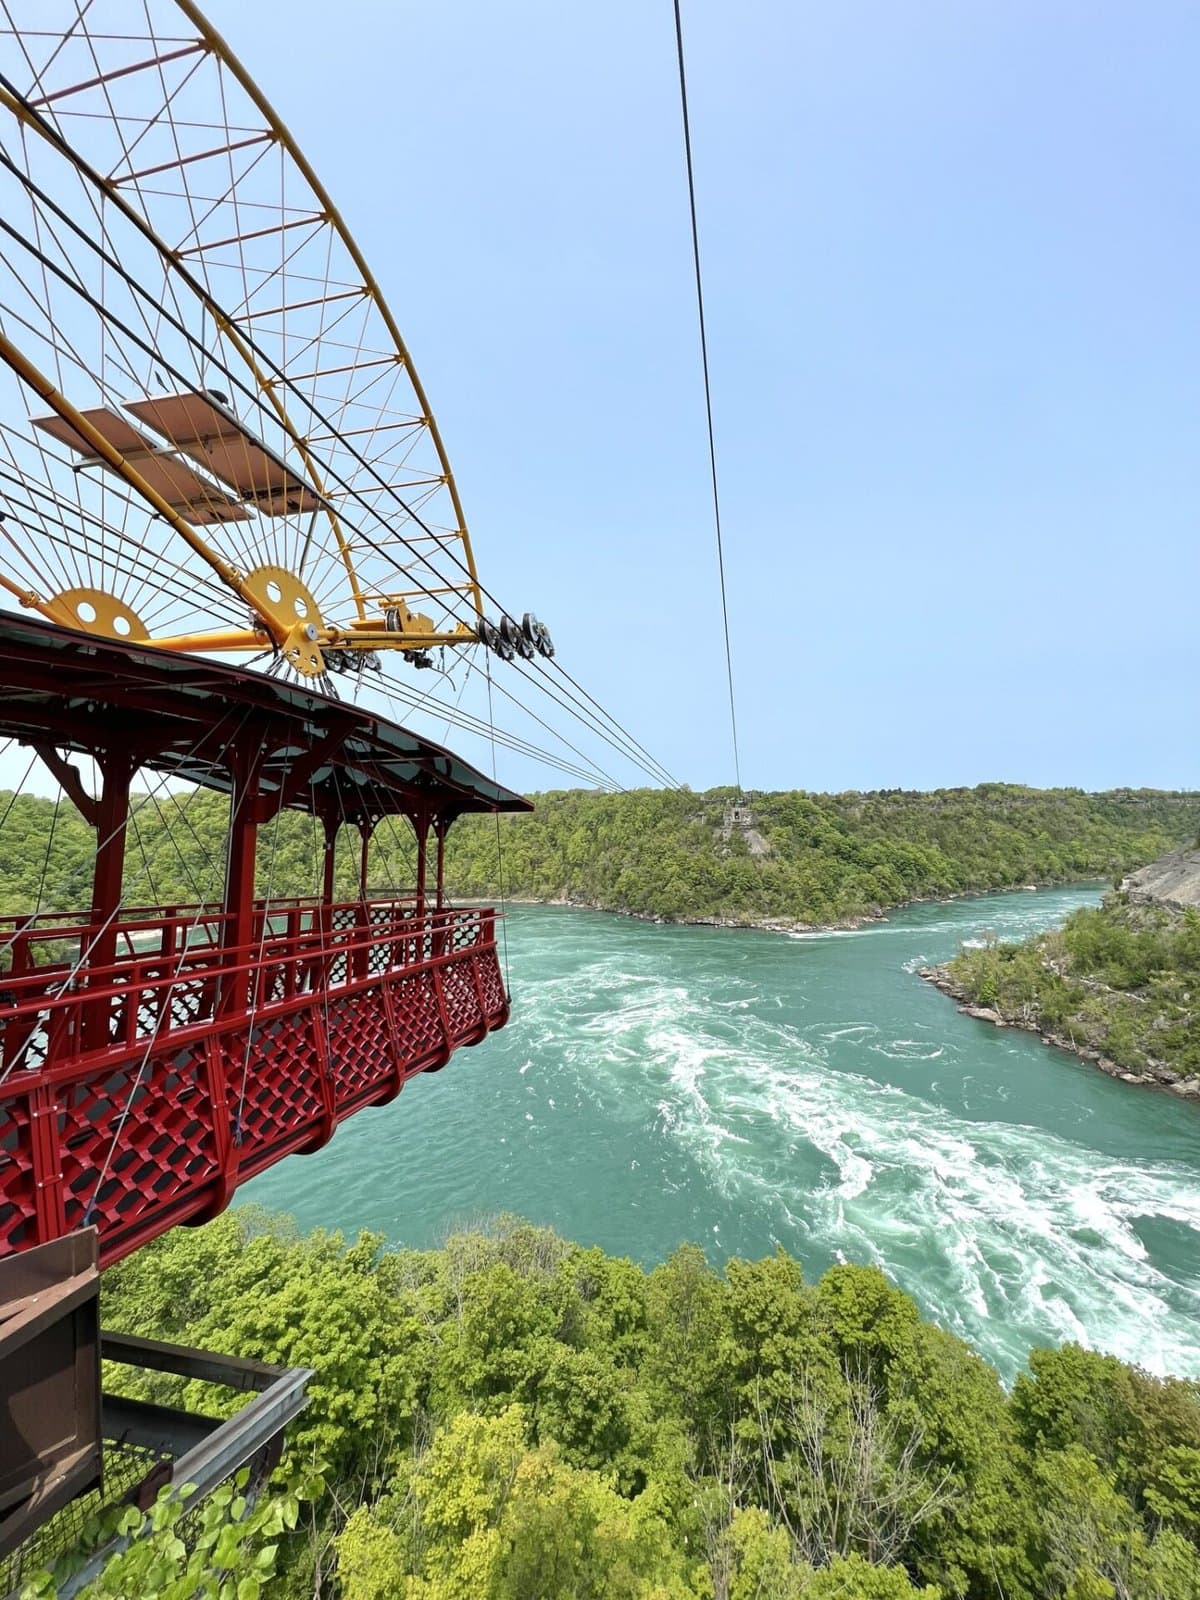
x=1172, y=881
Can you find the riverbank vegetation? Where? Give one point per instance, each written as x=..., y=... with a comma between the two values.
x=1121, y=980
x=815, y=858
x=514, y=1417
x=791, y=857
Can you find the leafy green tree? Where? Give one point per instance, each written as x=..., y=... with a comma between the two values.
x=223, y=1549
x=1095, y=1547
x=753, y=1558
x=690, y=1352
x=493, y=1345
x=852, y=1578
x=1142, y=1429
x=515, y=1415
x=486, y=1518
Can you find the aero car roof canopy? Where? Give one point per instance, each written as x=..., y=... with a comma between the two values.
x=180, y=487
x=186, y=716
x=211, y=434
x=203, y=428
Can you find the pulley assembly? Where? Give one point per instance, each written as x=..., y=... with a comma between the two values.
x=508, y=639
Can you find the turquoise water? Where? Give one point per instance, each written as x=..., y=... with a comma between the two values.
x=661, y=1084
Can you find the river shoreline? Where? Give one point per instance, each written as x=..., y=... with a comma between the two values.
x=1159, y=1077
x=787, y=925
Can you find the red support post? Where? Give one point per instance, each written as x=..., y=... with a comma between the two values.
x=116, y=770
x=224, y=1154
x=366, y=829
x=238, y=904
x=330, y=862
x=440, y=827
x=420, y=822
x=324, y=914
x=46, y=1150
x=362, y=956
x=237, y=937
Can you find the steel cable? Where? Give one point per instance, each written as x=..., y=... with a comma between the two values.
x=712, y=443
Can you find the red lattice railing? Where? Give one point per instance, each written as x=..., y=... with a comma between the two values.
x=139, y=1094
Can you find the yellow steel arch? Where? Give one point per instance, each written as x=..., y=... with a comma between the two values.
x=215, y=42
x=394, y=625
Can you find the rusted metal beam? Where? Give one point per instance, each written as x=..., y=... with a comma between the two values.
x=120, y=72
x=259, y=233
x=200, y=155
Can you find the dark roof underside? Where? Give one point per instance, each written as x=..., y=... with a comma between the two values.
x=191, y=718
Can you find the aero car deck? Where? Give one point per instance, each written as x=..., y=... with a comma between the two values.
x=145, y=1096
x=153, y=1059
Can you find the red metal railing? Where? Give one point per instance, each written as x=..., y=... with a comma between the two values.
x=141, y=1093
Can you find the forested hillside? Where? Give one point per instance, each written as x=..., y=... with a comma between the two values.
x=514, y=1417
x=814, y=858
x=799, y=857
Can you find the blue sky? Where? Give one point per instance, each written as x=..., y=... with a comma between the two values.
x=951, y=262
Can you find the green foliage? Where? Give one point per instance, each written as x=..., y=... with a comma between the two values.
x=223, y=1549
x=852, y=1578
x=485, y=1517
x=514, y=1417
x=811, y=858
x=753, y=1557
x=1095, y=1547
x=807, y=858
x=687, y=1367
x=1122, y=980
x=1142, y=1429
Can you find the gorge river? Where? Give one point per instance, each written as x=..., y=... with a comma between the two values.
x=743, y=1090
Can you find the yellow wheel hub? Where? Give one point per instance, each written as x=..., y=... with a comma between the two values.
x=97, y=611
x=288, y=605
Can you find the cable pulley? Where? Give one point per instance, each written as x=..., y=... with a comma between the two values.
x=491, y=636
x=538, y=635
x=512, y=635
x=510, y=639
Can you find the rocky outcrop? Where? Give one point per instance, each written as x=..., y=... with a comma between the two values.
x=1173, y=882
x=1157, y=1073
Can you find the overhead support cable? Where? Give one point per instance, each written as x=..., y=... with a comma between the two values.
x=499, y=851
x=398, y=693
x=712, y=444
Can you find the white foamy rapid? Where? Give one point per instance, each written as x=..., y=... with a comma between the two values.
x=1009, y=1234
x=1006, y=1234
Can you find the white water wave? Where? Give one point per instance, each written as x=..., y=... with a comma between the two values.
x=1008, y=1234
x=909, y=1050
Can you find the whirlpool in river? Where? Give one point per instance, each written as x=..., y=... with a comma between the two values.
x=750, y=1090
